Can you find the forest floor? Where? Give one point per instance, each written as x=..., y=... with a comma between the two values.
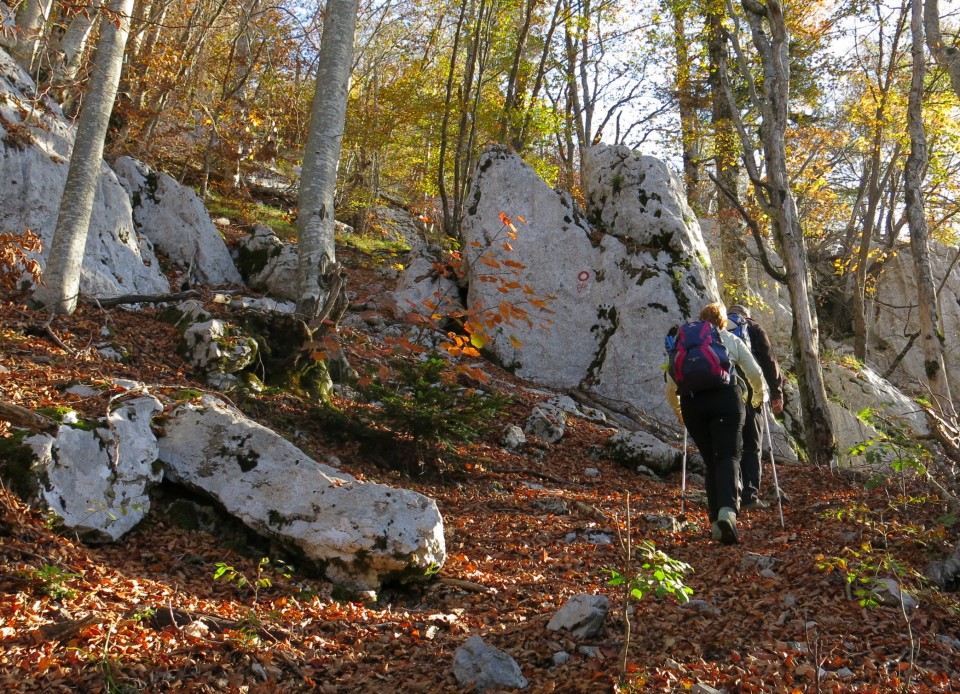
x=91, y=618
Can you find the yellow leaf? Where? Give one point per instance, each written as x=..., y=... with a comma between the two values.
x=515, y=342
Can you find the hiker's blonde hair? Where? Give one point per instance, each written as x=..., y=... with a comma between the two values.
x=716, y=314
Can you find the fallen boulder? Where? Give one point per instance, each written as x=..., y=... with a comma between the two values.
x=359, y=535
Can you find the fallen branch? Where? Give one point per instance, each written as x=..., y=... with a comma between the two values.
x=179, y=618
x=140, y=298
x=27, y=419
x=466, y=585
x=45, y=331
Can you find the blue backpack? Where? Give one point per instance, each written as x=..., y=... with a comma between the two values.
x=698, y=360
x=739, y=327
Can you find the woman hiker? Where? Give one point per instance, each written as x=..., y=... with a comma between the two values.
x=714, y=418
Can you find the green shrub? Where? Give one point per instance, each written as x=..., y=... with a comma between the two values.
x=421, y=407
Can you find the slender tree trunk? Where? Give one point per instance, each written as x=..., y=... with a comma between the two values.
x=450, y=100
x=689, y=120
x=773, y=48
x=522, y=135
x=71, y=49
x=318, y=179
x=32, y=18
x=62, y=273
x=141, y=10
x=192, y=39
x=930, y=334
x=873, y=189
x=725, y=150
x=946, y=56
x=512, y=105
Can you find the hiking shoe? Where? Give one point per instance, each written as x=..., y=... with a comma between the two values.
x=753, y=504
x=727, y=522
x=715, y=533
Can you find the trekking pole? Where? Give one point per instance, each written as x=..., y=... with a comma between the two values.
x=773, y=464
x=683, y=478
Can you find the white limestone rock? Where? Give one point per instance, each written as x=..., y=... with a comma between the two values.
x=359, y=534
x=35, y=145
x=175, y=219
x=217, y=346
x=609, y=291
x=896, y=296
x=423, y=291
x=269, y=264
x=636, y=448
x=98, y=481
x=582, y=615
x=481, y=666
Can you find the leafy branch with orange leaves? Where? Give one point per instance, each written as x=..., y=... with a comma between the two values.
x=16, y=263
x=477, y=323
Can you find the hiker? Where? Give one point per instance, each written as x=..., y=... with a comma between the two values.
x=713, y=412
x=762, y=350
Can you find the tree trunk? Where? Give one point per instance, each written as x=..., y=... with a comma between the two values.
x=733, y=255
x=318, y=178
x=70, y=50
x=32, y=18
x=778, y=200
x=946, y=56
x=689, y=120
x=930, y=334
x=62, y=273
x=446, y=203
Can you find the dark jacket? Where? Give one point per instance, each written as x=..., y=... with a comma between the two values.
x=763, y=353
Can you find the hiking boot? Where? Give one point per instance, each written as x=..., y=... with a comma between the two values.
x=715, y=531
x=752, y=504
x=727, y=522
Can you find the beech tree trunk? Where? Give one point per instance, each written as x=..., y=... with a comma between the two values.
x=318, y=178
x=62, y=273
x=70, y=53
x=770, y=37
x=733, y=252
x=689, y=119
x=946, y=56
x=32, y=18
x=877, y=178
x=930, y=335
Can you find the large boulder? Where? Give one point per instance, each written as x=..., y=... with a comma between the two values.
x=35, y=145
x=873, y=421
x=175, y=219
x=97, y=479
x=895, y=302
x=424, y=289
x=358, y=534
x=574, y=300
x=268, y=264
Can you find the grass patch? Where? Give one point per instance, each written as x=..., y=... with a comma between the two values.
x=250, y=213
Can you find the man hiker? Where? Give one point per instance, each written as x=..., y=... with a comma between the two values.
x=703, y=387
x=759, y=342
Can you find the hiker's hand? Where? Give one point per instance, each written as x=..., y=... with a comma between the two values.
x=777, y=406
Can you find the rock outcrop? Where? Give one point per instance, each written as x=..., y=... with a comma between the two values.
x=35, y=145
x=358, y=534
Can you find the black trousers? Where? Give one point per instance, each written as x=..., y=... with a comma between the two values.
x=714, y=419
x=750, y=459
